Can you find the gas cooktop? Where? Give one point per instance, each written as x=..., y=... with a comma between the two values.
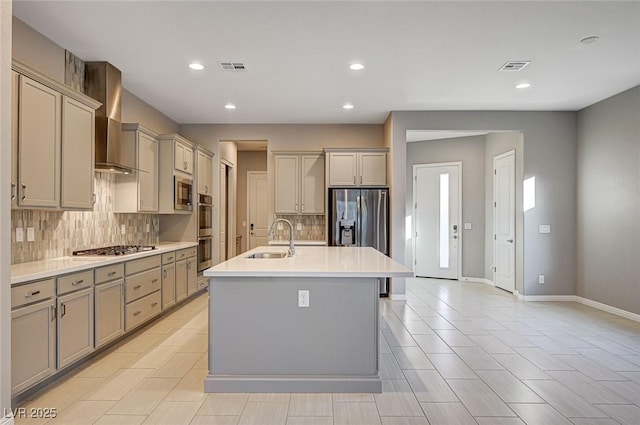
x=115, y=250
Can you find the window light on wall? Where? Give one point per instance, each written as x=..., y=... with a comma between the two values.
x=529, y=194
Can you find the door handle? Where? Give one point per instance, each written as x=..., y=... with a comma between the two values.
x=510, y=240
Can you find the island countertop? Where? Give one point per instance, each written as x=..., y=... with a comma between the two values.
x=312, y=261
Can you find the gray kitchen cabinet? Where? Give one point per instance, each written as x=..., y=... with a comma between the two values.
x=138, y=192
x=39, y=115
x=175, y=164
x=142, y=290
x=33, y=334
x=299, y=183
x=192, y=276
x=15, y=87
x=183, y=155
x=75, y=326
x=78, y=122
x=205, y=172
x=109, y=310
x=168, y=285
x=186, y=272
x=181, y=280
x=357, y=168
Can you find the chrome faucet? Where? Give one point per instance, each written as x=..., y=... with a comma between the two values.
x=292, y=249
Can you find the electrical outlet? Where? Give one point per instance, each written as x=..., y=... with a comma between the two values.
x=299, y=227
x=467, y=226
x=303, y=298
x=148, y=227
x=545, y=228
x=31, y=234
x=279, y=226
x=541, y=278
x=123, y=229
x=19, y=234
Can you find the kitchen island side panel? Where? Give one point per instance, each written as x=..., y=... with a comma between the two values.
x=258, y=330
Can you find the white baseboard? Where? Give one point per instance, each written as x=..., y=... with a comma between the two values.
x=7, y=420
x=398, y=297
x=478, y=280
x=577, y=299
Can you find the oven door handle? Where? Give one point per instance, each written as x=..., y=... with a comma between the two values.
x=204, y=238
x=202, y=204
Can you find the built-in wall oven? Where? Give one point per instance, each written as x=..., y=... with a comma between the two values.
x=183, y=191
x=205, y=232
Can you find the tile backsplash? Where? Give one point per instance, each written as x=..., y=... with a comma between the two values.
x=59, y=233
x=312, y=227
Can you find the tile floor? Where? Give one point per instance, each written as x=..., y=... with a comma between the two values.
x=454, y=353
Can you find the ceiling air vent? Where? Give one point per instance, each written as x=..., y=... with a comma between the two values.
x=233, y=66
x=514, y=65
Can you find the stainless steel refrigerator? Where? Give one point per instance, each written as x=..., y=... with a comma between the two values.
x=360, y=217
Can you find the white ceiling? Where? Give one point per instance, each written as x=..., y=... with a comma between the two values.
x=418, y=55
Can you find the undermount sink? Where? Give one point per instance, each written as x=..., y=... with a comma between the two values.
x=268, y=255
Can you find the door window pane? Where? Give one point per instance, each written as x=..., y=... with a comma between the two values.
x=444, y=221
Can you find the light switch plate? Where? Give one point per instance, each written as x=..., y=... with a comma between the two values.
x=31, y=234
x=19, y=234
x=123, y=229
x=303, y=298
x=541, y=278
x=299, y=226
x=545, y=228
x=467, y=226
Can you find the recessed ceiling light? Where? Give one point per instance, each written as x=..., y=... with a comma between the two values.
x=230, y=106
x=523, y=85
x=356, y=67
x=347, y=106
x=196, y=66
x=590, y=40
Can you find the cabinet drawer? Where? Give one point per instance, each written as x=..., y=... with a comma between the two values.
x=142, y=284
x=137, y=266
x=169, y=257
x=75, y=281
x=32, y=292
x=186, y=253
x=142, y=310
x=109, y=273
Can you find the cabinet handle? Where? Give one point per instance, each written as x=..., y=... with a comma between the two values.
x=30, y=294
x=54, y=312
x=111, y=273
x=296, y=207
x=354, y=179
x=189, y=264
x=164, y=274
x=14, y=191
x=185, y=164
x=206, y=189
x=77, y=282
x=169, y=258
x=137, y=313
x=302, y=207
x=64, y=310
x=154, y=304
x=360, y=179
x=154, y=280
x=93, y=201
x=24, y=191
x=137, y=287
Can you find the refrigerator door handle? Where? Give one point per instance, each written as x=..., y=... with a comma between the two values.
x=358, y=226
x=386, y=220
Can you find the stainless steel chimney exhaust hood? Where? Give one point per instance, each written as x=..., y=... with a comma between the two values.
x=103, y=82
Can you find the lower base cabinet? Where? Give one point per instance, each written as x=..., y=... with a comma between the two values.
x=33, y=344
x=168, y=285
x=192, y=276
x=109, y=311
x=181, y=280
x=142, y=310
x=75, y=326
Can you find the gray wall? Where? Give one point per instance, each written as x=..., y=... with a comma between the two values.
x=608, y=218
x=471, y=151
x=5, y=207
x=549, y=154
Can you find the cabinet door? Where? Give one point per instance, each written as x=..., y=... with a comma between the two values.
x=205, y=167
x=192, y=275
x=168, y=285
x=312, y=182
x=77, y=155
x=15, y=87
x=342, y=168
x=147, y=173
x=183, y=158
x=75, y=326
x=373, y=169
x=181, y=280
x=287, y=182
x=188, y=159
x=109, y=311
x=33, y=345
x=38, y=145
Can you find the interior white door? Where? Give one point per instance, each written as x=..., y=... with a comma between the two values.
x=436, y=234
x=257, y=214
x=223, y=213
x=504, y=221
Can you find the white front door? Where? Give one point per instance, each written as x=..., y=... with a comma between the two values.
x=437, y=204
x=257, y=214
x=504, y=221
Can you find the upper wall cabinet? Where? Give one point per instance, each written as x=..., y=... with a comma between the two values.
x=357, y=168
x=299, y=183
x=138, y=192
x=205, y=172
x=175, y=175
x=52, y=143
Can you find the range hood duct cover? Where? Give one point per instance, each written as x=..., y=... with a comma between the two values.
x=103, y=82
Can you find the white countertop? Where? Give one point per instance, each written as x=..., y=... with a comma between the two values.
x=312, y=261
x=43, y=269
x=285, y=242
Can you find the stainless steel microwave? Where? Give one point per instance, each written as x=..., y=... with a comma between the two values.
x=183, y=193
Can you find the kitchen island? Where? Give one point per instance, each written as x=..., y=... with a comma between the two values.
x=262, y=337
